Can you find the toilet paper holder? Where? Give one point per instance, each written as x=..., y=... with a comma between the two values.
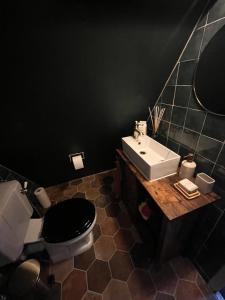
x=71, y=155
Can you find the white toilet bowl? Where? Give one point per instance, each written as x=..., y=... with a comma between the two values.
x=65, y=231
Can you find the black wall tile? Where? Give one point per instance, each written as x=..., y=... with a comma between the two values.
x=202, y=22
x=167, y=113
x=214, y=127
x=218, y=237
x=189, y=139
x=210, y=261
x=175, y=133
x=194, y=119
x=207, y=219
x=182, y=95
x=210, y=258
x=219, y=176
x=203, y=165
x=163, y=128
x=217, y=11
x=221, y=159
x=183, y=151
x=178, y=115
x=173, y=145
x=173, y=77
x=161, y=139
x=168, y=95
x=208, y=147
x=193, y=47
x=210, y=31
x=193, y=102
x=186, y=71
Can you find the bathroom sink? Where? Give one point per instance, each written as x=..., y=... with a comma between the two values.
x=151, y=158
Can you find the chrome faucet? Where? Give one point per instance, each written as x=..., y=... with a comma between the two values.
x=136, y=134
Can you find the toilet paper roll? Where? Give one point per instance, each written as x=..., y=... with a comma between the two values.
x=78, y=162
x=42, y=197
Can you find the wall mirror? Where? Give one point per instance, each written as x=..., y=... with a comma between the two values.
x=209, y=78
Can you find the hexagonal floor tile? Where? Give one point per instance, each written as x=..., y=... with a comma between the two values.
x=121, y=265
x=124, y=220
x=141, y=285
x=70, y=191
x=92, y=296
x=102, y=201
x=116, y=290
x=92, y=193
x=75, y=181
x=124, y=240
x=112, y=209
x=96, y=232
x=83, y=186
x=164, y=278
x=184, y=268
x=187, y=290
x=101, y=215
x=141, y=256
x=79, y=195
x=84, y=260
x=109, y=226
x=104, y=248
x=105, y=189
x=88, y=178
x=161, y=296
x=98, y=276
x=97, y=182
x=62, y=269
x=75, y=284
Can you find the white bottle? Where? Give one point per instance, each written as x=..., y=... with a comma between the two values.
x=188, y=166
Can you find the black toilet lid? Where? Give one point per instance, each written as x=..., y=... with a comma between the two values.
x=67, y=220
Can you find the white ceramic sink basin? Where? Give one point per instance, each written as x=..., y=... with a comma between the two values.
x=151, y=158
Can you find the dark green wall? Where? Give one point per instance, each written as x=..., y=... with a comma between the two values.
x=78, y=74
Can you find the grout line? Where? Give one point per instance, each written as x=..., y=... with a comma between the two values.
x=211, y=138
x=203, y=35
x=210, y=23
x=210, y=233
x=202, y=270
x=178, y=278
x=209, y=160
x=179, y=58
x=215, y=163
x=167, y=136
x=203, y=124
x=184, y=84
x=187, y=60
x=215, y=21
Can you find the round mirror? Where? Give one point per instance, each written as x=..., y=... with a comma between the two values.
x=209, y=79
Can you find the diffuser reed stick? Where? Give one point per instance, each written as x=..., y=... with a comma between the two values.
x=156, y=117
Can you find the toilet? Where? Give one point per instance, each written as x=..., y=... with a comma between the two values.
x=65, y=230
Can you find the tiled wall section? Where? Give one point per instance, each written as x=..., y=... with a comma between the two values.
x=187, y=128
x=7, y=174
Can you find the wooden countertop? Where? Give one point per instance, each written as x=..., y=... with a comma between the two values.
x=172, y=203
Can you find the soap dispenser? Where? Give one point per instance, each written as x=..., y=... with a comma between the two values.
x=188, y=166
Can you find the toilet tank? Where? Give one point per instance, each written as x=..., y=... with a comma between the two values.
x=15, y=213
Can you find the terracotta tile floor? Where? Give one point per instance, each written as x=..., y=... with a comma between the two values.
x=118, y=267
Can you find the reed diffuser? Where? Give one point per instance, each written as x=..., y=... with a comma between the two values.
x=156, y=116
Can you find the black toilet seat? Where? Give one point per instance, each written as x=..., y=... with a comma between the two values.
x=67, y=220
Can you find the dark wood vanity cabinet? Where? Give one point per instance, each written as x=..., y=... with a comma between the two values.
x=168, y=231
